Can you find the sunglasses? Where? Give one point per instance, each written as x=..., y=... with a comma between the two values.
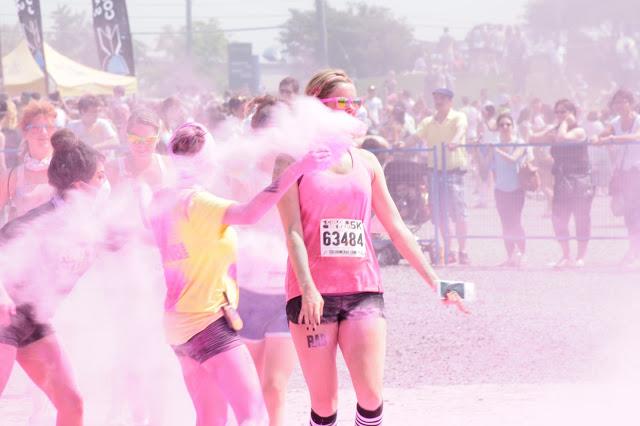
x=47, y=127
x=342, y=102
x=147, y=140
x=561, y=111
x=505, y=125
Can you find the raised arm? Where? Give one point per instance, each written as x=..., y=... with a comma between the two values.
x=251, y=212
x=576, y=134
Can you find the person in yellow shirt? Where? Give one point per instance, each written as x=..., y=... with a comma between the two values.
x=198, y=246
x=448, y=127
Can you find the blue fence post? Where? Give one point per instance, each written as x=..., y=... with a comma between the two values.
x=436, y=203
x=443, y=200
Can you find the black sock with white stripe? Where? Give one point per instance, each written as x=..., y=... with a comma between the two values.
x=317, y=420
x=367, y=417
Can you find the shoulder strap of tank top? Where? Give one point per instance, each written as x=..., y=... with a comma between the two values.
x=359, y=162
x=161, y=165
x=122, y=167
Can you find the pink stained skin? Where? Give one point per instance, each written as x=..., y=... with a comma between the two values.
x=44, y=361
x=227, y=377
x=362, y=341
x=39, y=146
x=275, y=359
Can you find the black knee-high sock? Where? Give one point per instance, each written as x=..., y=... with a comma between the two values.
x=317, y=420
x=367, y=417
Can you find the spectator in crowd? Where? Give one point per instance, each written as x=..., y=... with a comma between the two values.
x=237, y=107
x=10, y=131
x=625, y=129
x=288, y=89
x=400, y=126
x=62, y=113
x=141, y=164
x=173, y=114
x=96, y=132
x=487, y=135
x=509, y=195
x=118, y=95
x=600, y=158
x=444, y=131
x=374, y=107
x=573, y=188
x=473, y=119
x=26, y=186
x=3, y=113
x=120, y=113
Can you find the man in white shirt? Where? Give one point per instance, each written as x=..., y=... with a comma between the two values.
x=96, y=132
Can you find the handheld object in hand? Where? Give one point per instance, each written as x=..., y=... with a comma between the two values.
x=466, y=290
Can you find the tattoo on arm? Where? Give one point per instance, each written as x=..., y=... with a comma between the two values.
x=274, y=187
x=282, y=162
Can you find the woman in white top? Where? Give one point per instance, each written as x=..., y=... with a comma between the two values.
x=261, y=270
x=26, y=186
x=625, y=129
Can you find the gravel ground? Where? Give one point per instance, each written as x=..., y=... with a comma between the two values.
x=541, y=347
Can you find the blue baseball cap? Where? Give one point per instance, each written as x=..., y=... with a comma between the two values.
x=444, y=92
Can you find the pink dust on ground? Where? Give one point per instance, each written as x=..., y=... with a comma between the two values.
x=541, y=347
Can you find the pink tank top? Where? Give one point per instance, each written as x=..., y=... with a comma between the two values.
x=335, y=211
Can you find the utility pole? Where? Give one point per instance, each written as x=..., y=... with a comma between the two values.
x=189, y=28
x=322, y=32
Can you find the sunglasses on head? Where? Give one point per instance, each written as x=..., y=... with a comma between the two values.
x=342, y=102
x=147, y=140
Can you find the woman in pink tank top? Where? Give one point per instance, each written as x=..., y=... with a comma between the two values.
x=334, y=289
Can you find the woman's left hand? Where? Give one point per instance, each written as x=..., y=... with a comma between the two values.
x=453, y=299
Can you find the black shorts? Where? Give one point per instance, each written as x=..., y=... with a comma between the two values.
x=342, y=307
x=218, y=337
x=24, y=329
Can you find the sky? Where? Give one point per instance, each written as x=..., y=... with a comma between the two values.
x=427, y=18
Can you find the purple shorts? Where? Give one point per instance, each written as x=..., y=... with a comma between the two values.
x=342, y=307
x=218, y=337
x=24, y=329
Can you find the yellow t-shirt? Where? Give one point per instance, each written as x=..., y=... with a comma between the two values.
x=435, y=133
x=197, y=250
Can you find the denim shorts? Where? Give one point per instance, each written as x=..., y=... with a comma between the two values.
x=263, y=315
x=450, y=195
x=338, y=308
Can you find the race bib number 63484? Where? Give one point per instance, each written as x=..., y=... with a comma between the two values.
x=342, y=238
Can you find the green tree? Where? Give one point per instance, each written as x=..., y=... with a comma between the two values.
x=365, y=40
x=72, y=35
x=610, y=17
x=10, y=36
x=208, y=54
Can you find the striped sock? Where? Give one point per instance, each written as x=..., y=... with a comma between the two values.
x=368, y=418
x=317, y=420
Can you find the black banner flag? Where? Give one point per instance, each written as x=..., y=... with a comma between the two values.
x=113, y=36
x=31, y=21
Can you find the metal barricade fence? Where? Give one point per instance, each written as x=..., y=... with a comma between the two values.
x=409, y=174
x=546, y=212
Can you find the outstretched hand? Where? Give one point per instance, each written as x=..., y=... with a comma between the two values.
x=452, y=298
x=316, y=160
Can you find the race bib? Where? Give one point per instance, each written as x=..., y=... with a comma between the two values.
x=342, y=238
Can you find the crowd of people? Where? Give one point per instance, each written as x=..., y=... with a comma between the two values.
x=62, y=158
x=328, y=293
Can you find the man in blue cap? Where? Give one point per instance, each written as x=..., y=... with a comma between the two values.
x=448, y=128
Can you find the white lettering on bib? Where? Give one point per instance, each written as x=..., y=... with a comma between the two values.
x=342, y=238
